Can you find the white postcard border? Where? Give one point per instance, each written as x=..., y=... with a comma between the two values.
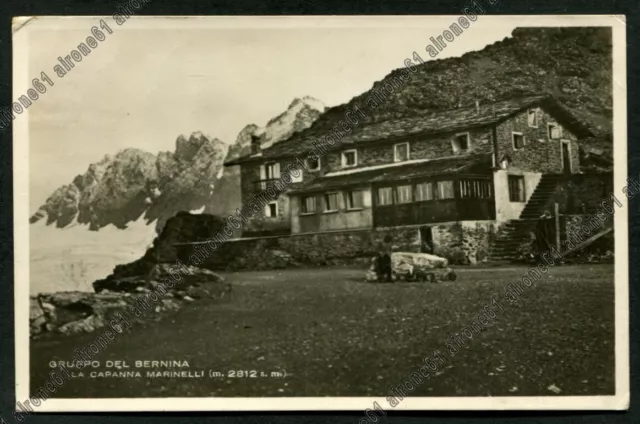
x=22, y=75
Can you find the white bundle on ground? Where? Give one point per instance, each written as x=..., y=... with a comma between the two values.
x=403, y=261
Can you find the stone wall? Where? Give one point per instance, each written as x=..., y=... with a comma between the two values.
x=575, y=229
x=464, y=242
x=582, y=193
x=461, y=242
x=539, y=154
x=425, y=147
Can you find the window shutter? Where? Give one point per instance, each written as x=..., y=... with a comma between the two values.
x=276, y=170
x=263, y=172
x=267, y=211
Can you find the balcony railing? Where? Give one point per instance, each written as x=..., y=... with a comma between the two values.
x=261, y=185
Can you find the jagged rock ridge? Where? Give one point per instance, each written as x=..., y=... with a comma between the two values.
x=133, y=183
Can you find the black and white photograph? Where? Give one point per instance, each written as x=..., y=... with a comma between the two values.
x=366, y=213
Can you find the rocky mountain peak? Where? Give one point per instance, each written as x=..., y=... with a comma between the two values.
x=133, y=183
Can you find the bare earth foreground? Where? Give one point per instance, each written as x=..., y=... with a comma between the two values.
x=327, y=333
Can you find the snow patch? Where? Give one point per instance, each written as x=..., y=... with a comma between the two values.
x=73, y=257
x=197, y=211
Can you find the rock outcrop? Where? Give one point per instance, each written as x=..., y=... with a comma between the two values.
x=164, y=289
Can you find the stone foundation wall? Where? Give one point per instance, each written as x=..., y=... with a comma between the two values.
x=574, y=229
x=464, y=242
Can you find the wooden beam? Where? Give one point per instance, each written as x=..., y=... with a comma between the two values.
x=588, y=241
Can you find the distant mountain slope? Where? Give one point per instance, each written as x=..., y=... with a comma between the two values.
x=132, y=184
x=572, y=64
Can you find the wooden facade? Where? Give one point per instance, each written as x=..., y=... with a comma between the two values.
x=401, y=202
x=468, y=197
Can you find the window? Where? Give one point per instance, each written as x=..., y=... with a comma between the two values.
x=518, y=140
x=445, y=190
x=272, y=171
x=385, y=196
x=460, y=143
x=308, y=204
x=532, y=118
x=269, y=171
x=424, y=191
x=355, y=199
x=516, y=188
x=271, y=210
x=313, y=164
x=403, y=194
x=554, y=131
x=331, y=202
x=349, y=158
x=475, y=189
x=401, y=152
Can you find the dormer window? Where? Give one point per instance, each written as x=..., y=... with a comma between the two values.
x=532, y=118
x=554, y=131
x=349, y=158
x=461, y=143
x=313, y=164
x=401, y=152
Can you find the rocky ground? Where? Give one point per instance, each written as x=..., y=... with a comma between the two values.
x=65, y=313
x=320, y=332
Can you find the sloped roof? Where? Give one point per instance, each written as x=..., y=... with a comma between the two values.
x=431, y=123
x=477, y=164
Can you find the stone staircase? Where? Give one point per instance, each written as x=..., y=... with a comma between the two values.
x=515, y=232
x=544, y=189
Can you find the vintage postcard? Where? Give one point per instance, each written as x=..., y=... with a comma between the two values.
x=369, y=213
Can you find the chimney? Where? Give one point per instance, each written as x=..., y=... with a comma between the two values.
x=255, y=144
x=478, y=107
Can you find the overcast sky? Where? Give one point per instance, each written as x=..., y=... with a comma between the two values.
x=152, y=80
